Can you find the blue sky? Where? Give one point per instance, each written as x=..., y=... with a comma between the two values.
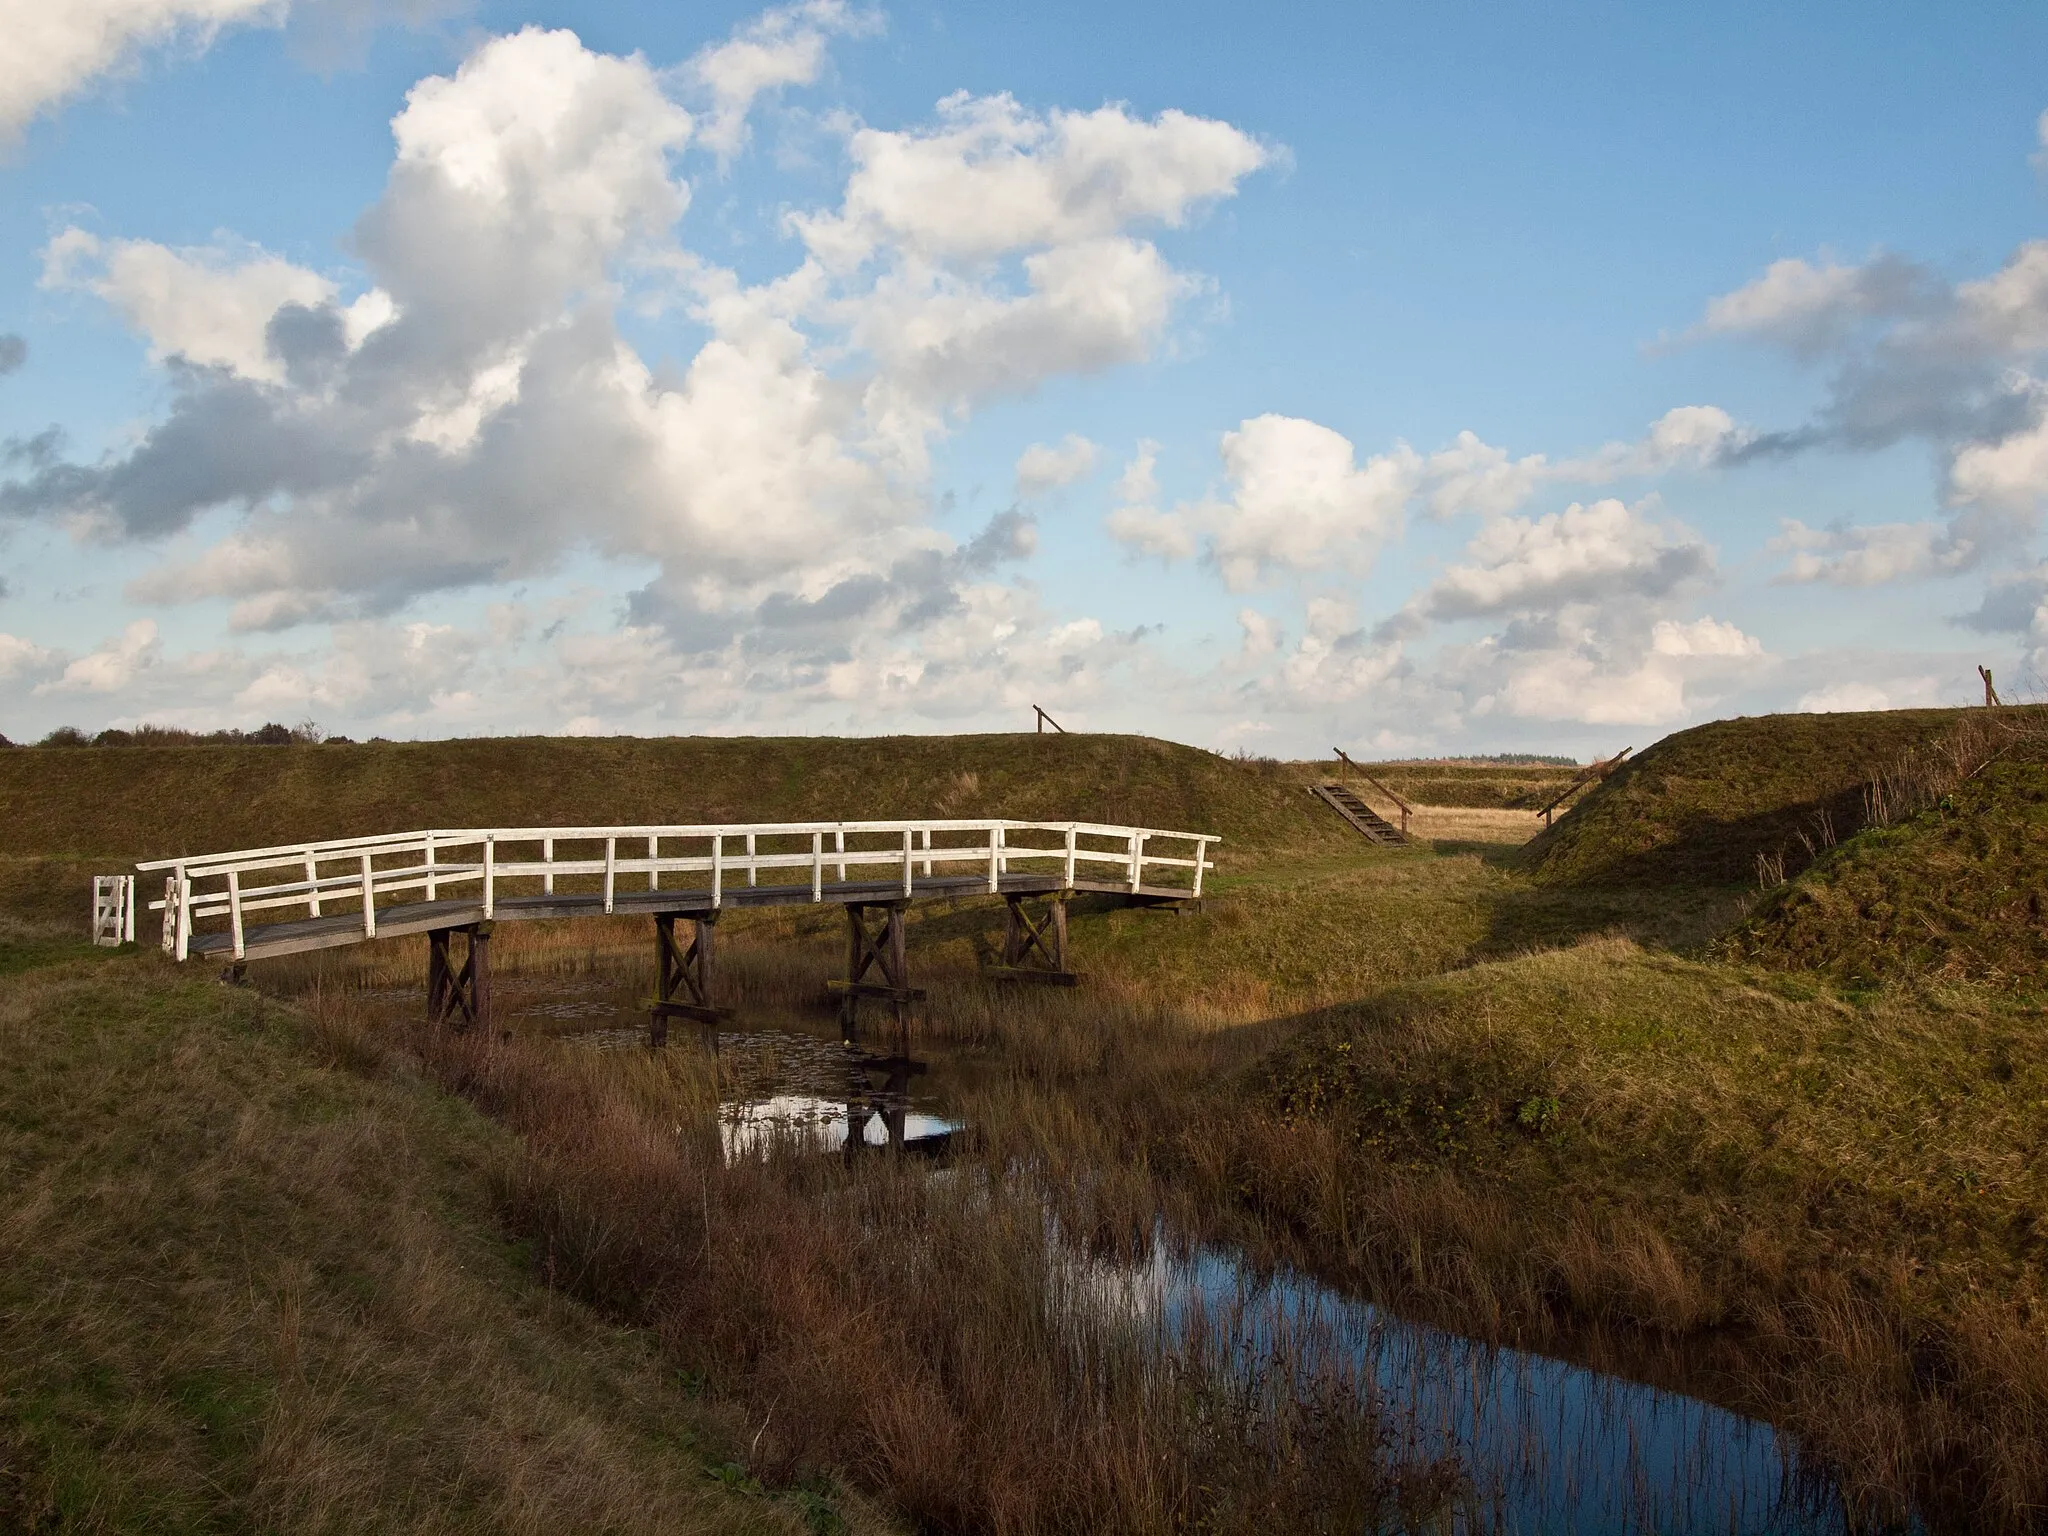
x=1421, y=380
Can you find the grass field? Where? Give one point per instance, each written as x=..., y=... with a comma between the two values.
x=1593, y=1091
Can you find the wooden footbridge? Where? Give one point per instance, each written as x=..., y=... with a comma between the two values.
x=456, y=885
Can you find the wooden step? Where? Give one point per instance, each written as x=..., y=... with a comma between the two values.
x=1374, y=827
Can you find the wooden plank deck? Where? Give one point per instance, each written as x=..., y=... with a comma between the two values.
x=270, y=940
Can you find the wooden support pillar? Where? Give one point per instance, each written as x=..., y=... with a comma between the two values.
x=685, y=974
x=875, y=945
x=1035, y=946
x=460, y=998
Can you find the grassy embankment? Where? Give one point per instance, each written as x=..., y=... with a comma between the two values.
x=244, y=1286
x=1845, y=1182
x=1410, y=1070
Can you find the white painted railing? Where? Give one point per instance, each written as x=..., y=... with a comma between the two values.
x=354, y=874
x=113, y=909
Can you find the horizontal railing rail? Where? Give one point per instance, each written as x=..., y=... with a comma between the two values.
x=478, y=864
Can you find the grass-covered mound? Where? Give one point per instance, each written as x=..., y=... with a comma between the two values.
x=1701, y=805
x=247, y=1288
x=1624, y=1078
x=67, y=809
x=1959, y=891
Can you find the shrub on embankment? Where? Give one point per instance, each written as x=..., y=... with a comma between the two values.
x=1702, y=805
x=114, y=805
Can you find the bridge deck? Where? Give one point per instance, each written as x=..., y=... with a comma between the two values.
x=269, y=940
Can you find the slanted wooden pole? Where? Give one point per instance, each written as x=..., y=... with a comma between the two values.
x=1990, y=693
x=1345, y=758
x=1597, y=769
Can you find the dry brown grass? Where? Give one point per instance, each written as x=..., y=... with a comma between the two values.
x=918, y=1335
x=242, y=1289
x=1457, y=824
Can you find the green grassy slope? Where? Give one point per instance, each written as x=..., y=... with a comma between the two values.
x=1700, y=805
x=244, y=1287
x=1750, y=1120
x=1959, y=892
x=67, y=811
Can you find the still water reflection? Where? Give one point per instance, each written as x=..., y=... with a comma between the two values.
x=1545, y=1445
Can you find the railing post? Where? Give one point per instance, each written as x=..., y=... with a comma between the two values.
x=369, y=901
x=717, y=870
x=611, y=858
x=1201, y=861
x=312, y=885
x=1069, y=881
x=547, y=876
x=490, y=875
x=235, y=912
x=753, y=867
x=817, y=866
x=654, y=863
x=1137, y=861
x=839, y=846
x=170, y=934
x=924, y=836
x=995, y=859
x=433, y=879
x=184, y=913
x=128, y=924
x=907, y=836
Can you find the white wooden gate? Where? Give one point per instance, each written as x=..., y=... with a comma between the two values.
x=113, y=909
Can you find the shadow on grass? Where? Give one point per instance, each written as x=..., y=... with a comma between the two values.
x=1681, y=918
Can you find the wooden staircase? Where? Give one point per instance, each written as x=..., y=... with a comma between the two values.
x=1374, y=827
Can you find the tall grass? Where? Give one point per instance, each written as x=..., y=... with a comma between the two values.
x=921, y=1335
x=1924, y=774
x=1803, y=1210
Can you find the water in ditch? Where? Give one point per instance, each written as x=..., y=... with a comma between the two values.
x=1543, y=1444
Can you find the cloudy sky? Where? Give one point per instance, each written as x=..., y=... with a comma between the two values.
x=1416, y=379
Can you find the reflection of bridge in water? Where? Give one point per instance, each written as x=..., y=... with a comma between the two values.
x=457, y=885
x=872, y=1112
